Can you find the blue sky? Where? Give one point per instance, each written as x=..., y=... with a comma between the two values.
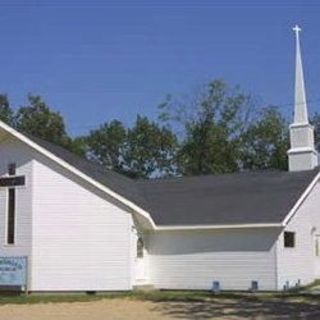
x=98, y=60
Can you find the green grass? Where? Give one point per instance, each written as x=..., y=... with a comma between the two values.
x=138, y=295
x=35, y=298
x=155, y=296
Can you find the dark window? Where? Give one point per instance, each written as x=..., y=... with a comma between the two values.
x=317, y=246
x=11, y=216
x=140, y=248
x=12, y=169
x=289, y=239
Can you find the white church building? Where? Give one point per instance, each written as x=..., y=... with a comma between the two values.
x=83, y=228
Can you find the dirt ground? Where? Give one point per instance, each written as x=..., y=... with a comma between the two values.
x=124, y=309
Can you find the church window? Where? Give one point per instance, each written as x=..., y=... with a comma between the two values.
x=11, y=205
x=11, y=216
x=10, y=181
x=289, y=239
x=317, y=247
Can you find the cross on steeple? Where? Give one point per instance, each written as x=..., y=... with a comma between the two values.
x=296, y=29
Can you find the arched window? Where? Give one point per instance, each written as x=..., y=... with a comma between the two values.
x=140, y=248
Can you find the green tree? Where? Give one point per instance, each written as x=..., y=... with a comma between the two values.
x=144, y=150
x=315, y=121
x=212, y=125
x=39, y=120
x=150, y=149
x=207, y=150
x=76, y=145
x=266, y=141
x=6, y=113
x=216, y=131
x=106, y=145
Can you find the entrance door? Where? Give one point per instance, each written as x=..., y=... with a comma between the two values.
x=140, y=260
x=140, y=267
x=317, y=255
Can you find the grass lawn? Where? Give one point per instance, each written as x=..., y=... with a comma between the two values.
x=158, y=296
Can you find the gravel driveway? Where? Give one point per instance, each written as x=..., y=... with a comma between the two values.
x=126, y=309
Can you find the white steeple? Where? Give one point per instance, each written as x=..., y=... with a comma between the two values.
x=300, y=103
x=302, y=154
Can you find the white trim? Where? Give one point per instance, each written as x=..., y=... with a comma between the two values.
x=221, y=226
x=301, y=150
x=301, y=125
x=276, y=252
x=301, y=200
x=79, y=173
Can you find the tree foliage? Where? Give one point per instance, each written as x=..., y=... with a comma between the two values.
x=150, y=149
x=6, y=112
x=107, y=144
x=213, y=124
x=266, y=141
x=218, y=130
x=38, y=119
x=144, y=150
x=315, y=121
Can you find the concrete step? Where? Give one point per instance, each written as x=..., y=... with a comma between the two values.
x=143, y=287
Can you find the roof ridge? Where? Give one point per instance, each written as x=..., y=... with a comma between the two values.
x=224, y=175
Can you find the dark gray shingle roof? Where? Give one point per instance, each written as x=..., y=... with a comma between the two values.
x=249, y=198
x=241, y=198
x=124, y=186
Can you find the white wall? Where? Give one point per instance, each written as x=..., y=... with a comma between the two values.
x=80, y=240
x=13, y=151
x=194, y=259
x=299, y=263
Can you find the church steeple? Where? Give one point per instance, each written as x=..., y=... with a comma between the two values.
x=300, y=103
x=302, y=154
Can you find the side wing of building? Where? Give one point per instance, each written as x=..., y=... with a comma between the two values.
x=194, y=259
x=298, y=246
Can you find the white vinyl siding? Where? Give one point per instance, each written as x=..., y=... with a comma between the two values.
x=81, y=240
x=298, y=264
x=194, y=259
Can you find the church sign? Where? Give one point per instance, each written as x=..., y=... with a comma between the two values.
x=13, y=271
x=12, y=181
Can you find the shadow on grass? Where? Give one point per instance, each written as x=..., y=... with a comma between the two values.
x=203, y=305
x=242, y=308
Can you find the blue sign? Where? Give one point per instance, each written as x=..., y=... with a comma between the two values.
x=13, y=271
x=215, y=287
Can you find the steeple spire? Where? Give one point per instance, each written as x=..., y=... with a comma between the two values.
x=302, y=154
x=300, y=103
